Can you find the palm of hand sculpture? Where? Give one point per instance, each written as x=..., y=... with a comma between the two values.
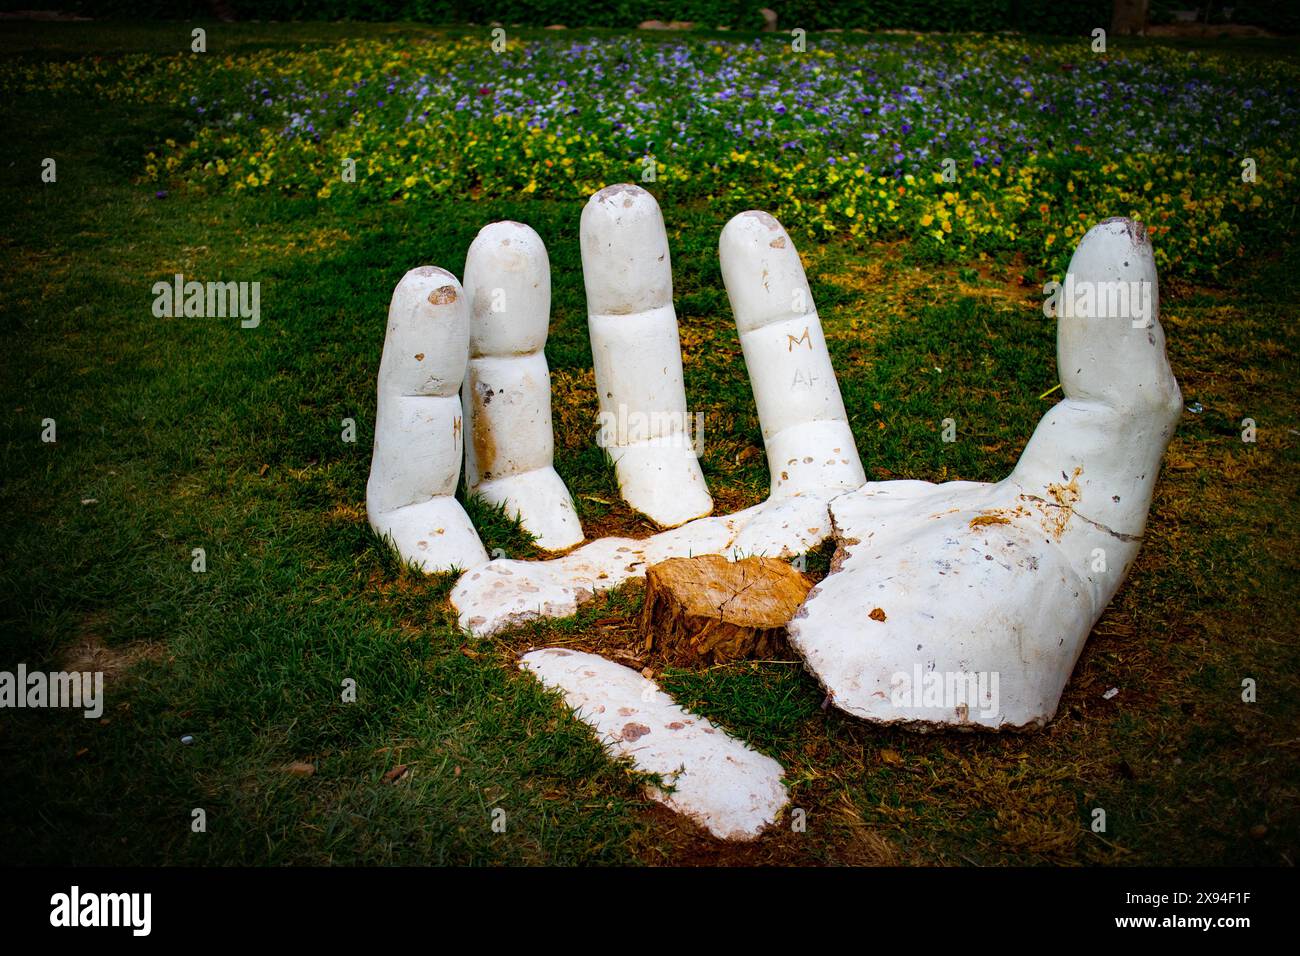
x=986, y=590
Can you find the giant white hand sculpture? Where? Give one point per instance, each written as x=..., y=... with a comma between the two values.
x=962, y=582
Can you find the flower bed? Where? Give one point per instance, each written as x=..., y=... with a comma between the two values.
x=848, y=139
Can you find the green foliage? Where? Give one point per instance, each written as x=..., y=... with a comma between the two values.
x=1029, y=16
x=872, y=137
x=1039, y=16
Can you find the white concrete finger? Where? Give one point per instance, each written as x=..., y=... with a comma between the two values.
x=636, y=354
x=810, y=446
x=416, y=461
x=509, y=458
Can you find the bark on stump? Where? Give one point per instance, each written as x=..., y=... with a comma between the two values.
x=709, y=610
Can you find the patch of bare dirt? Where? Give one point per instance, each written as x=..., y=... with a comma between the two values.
x=89, y=652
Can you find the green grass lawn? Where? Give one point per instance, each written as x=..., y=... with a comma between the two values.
x=188, y=433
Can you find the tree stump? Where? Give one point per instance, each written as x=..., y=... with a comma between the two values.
x=708, y=610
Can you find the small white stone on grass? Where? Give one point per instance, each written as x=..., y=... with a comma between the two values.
x=719, y=782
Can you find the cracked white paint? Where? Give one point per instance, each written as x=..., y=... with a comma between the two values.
x=719, y=782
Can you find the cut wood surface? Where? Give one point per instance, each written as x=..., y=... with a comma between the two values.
x=708, y=610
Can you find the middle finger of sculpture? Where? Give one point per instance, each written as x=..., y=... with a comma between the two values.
x=958, y=604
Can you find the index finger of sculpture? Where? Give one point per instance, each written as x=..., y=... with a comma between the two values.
x=419, y=428
x=509, y=458
x=810, y=449
x=810, y=446
x=636, y=355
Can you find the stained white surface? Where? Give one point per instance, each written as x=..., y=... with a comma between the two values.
x=509, y=446
x=419, y=427
x=716, y=780
x=1005, y=579
x=954, y=583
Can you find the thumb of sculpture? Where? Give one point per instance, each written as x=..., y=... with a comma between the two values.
x=1121, y=401
x=965, y=604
